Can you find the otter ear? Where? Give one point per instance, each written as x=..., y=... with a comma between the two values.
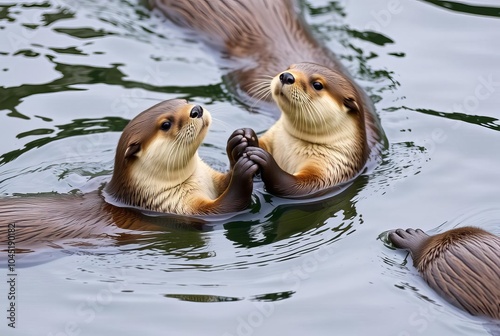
x=132, y=150
x=351, y=104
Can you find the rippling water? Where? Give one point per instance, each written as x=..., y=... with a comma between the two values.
x=72, y=73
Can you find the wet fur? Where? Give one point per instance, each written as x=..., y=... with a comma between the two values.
x=462, y=265
x=76, y=220
x=269, y=33
x=155, y=170
x=265, y=38
x=164, y=173
x=318, y=139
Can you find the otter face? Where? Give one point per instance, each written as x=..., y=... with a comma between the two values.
x=159, y=146
x=316, y=100
x=175, y=138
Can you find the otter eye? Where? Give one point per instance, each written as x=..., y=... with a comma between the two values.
x=165, y=125
x=317, y=86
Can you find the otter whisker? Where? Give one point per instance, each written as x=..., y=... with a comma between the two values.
x=225, y=124
x=261, y=90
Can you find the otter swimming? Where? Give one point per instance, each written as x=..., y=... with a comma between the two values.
x=271, y=41
x=462, y=265
x=157, y=168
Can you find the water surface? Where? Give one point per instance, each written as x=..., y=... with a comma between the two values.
x=74, y=72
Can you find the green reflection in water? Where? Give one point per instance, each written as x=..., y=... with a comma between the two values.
x=69, y=50
x=45, y=4
x=40, y=131
x=286, y=220
x=484, y=121
x=332, y=7
x=466, y=8
x=30, y=26
x=376, y=38
x=84, y=33
x=271, y=297
x=73, y=74
x=75, y=128
x=5, y=13
x=202, y=298
x=62, y=14
x=27, y=53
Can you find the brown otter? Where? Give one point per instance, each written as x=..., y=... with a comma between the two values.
x=157, y=168
x=462, y=265
x=320, y=139
x=327, y=120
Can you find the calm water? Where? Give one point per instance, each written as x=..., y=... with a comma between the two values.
x=72, y=73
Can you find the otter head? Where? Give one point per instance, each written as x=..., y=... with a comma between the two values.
x=318, y=104
x=157, y=150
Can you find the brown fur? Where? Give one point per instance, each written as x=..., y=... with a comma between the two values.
x=264, y=39
x=339, y=153
x=68, y=219
x=267, y=37
x=268, y=32
x=136, y=139
x=462, y=265
x=177, y=181
x=160, y=170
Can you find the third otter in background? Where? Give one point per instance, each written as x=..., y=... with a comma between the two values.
x=272, y=41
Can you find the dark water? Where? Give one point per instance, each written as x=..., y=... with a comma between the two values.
x=72, y=73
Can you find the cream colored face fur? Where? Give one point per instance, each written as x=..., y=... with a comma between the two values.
x=170, y=156
x=316, y=116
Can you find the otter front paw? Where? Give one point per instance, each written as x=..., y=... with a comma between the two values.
x=238, y=142
x=262, y=158
x=277, y=181
x=407, y=239
x=240, y=187
x=251, y=136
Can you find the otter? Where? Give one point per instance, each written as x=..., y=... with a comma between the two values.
x=157, y=169
x=462, y=265
x=319, y=141
x=157, y=166
x=327, y=126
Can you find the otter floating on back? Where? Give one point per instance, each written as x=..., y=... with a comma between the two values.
x=326, y=134
x=157, y=166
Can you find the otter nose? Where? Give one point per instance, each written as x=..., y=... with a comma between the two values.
x=196, y=112
x=287, y=78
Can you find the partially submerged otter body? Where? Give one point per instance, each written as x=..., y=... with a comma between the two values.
x=462, y=265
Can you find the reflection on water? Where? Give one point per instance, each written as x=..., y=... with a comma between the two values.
x=202, y=298
x=271, y=220
x=73, y=51
x=96, y=224
x=466, y=8
x=74, y=75
x=75, y=128
x=269, y=297
x=484, y=121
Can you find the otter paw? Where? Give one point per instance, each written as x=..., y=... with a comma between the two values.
x=245, y=169
x=407, y=239
x=252, y=139
x=236, y=145
x=261, y=157
x=277, y=181
x=241, y=185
